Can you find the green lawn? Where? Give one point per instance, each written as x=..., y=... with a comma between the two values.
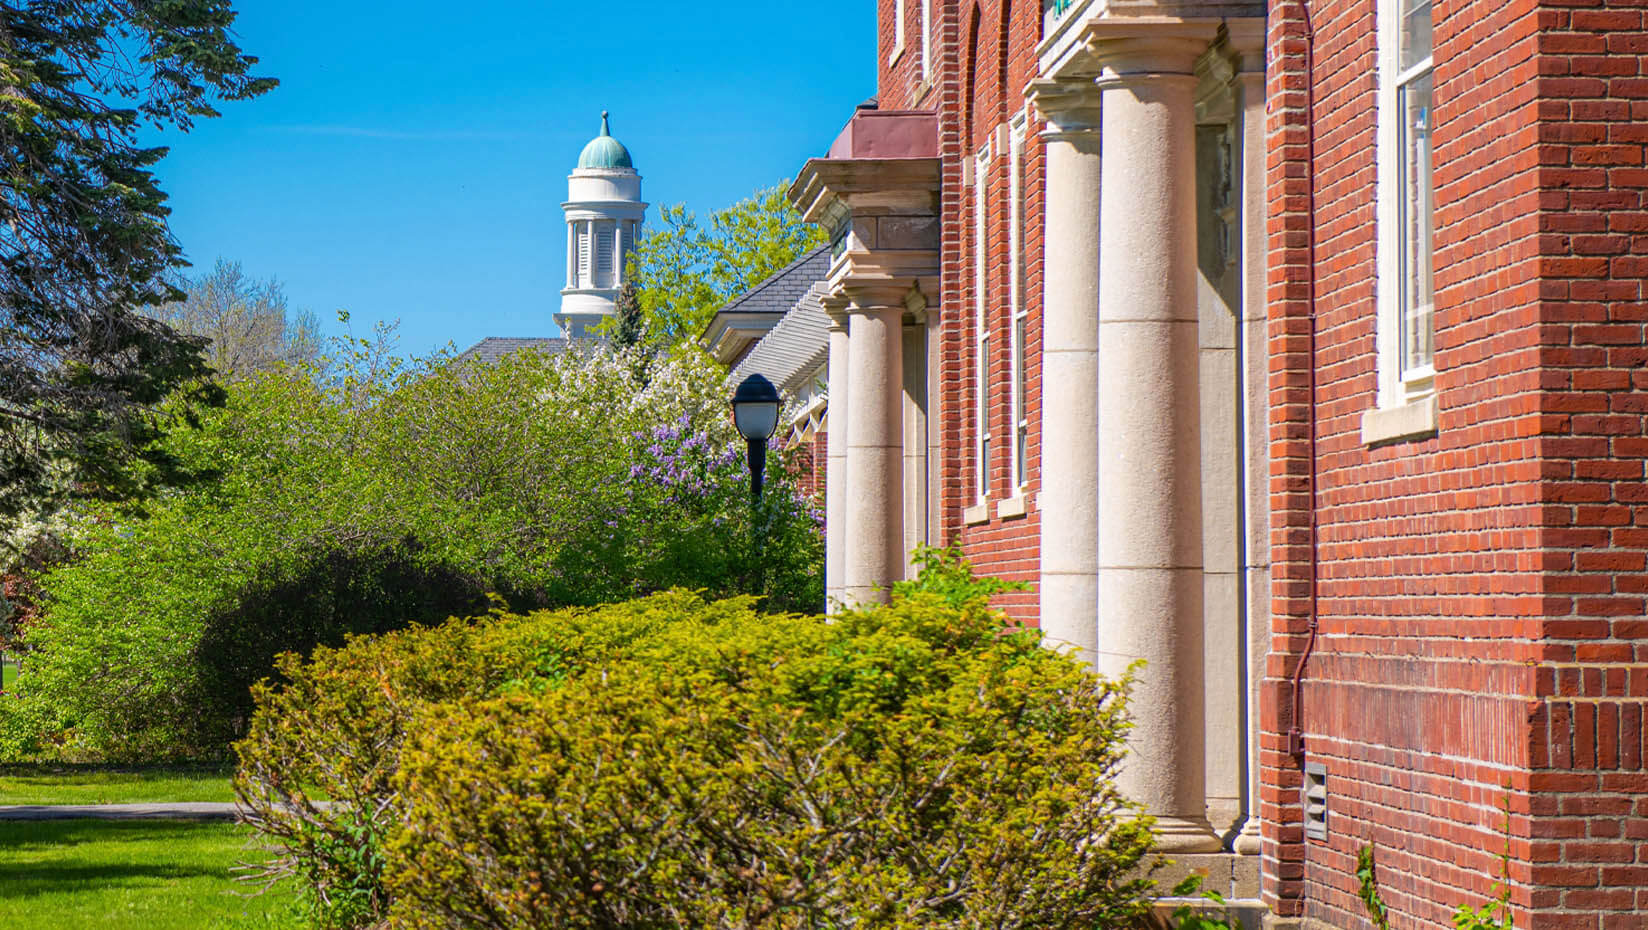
x=8, y=674
x=66, y=874
x=103, y=785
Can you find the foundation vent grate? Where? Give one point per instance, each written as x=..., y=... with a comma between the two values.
x=1314, y=798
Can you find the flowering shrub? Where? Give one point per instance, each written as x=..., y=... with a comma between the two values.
x=361, y=503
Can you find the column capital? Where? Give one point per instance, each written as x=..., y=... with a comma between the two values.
x=1071, y=107
x=1126, y=56
x=836, y=308
x=1116, y=49
x=1245, y=37
x=878, y=296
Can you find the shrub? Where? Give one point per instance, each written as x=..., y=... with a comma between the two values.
x=332, y=729
x=364, y=502
x=912, y=765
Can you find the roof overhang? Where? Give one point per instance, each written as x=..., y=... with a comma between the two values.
x=730, y=335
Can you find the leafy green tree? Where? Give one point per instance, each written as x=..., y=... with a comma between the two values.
x=84, y=243
x=246, y=322
x=685, y=271
x=362, y=496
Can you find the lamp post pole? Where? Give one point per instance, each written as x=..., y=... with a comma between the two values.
x=755, y=412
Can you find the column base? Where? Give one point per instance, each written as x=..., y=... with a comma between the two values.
x=1248, y=841
x=1184, y=835
x=854, y=597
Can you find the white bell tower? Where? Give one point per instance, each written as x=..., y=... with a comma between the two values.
x=603, y=214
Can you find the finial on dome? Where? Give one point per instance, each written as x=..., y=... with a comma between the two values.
x=604, y=151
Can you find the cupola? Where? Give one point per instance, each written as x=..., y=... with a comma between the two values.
x=604, y=151
x=604, y=212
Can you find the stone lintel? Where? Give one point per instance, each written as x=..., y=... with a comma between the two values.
x=902, y=185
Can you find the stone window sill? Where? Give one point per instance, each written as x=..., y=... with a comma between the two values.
x=1413, y=420
x=976, y=514
x=1015, y=506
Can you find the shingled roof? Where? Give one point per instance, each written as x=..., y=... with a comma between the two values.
x=750, y=315
x=493, y=348
x=787, y=285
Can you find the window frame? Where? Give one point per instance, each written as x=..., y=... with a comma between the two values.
x=981, y=328
x=1399, y=383
x=1019, y=315
x=926, y=40
x=898, y=33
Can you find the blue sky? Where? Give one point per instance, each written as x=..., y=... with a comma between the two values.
x=412, y=163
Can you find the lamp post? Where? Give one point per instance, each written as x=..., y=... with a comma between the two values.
x=755, y=412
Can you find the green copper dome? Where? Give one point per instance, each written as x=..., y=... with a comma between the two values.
x=604, y=151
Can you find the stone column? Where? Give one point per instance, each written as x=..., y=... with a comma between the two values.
x=1255, y=377
x=1069, y=495
x=874, y=556
x=915, y=441
x=572, y=254
x=835, y=464
x=1150, y=535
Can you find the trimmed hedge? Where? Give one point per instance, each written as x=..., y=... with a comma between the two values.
x=914, y=766
x=332, y=729
x=674, y=762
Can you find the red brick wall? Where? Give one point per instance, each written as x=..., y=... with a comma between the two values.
x=978, y=87
x=1480, y=593
x=1589, y=792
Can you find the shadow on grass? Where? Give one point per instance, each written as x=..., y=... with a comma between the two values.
x=47, y=857
x=61, y=835
x=34, y=880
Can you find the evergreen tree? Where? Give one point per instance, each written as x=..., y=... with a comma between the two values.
x=84, y=244
x=631, y=327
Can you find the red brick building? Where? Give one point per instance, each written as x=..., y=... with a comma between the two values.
x=1297, y=349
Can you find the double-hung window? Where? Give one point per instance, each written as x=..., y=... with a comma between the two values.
x=1018, y=304
x=981, y=326
x=1407, y=209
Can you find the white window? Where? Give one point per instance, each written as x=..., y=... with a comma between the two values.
x=583, y=254
x=1407, y=209
x=1017, y=302
x=604, y=242
x=626, y=245
x=898, y=32
x=926, y=40
x=572, y=254
x=981, y=302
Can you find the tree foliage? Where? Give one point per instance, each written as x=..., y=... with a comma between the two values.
x=379, y=496
x=84, y=243
x=246, y=322
x=685, y=271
